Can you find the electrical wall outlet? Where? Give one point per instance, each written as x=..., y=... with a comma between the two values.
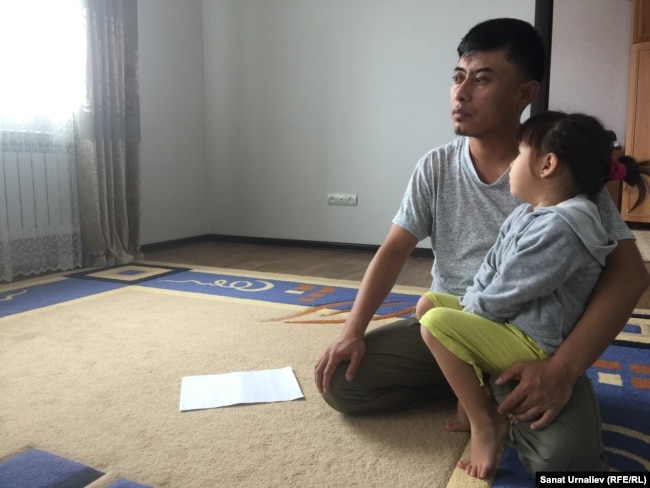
x=345, y=199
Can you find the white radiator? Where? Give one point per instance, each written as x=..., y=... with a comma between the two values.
x=39, y=225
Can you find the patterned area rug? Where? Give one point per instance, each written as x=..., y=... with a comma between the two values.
x=621, y=377
x=91, y=367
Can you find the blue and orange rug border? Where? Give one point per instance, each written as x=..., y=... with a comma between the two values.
x=308, y=293
x=35, y=468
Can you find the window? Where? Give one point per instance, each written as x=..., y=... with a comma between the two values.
x=43, y=53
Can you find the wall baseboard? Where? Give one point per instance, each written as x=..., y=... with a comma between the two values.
x=269, y=241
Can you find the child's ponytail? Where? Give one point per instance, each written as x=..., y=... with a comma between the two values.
x=635, y=174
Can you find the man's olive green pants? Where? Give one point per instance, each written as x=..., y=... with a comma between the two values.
x=399, y=372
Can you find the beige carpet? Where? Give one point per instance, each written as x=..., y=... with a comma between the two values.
x=643, y=243
x=97, y=381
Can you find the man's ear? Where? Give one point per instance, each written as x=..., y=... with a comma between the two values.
x=550, y=165
x=528, y=91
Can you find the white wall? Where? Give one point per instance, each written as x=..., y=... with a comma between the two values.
x=590, y=61
x=174, y=185
x=305, y=97
x=309, y=97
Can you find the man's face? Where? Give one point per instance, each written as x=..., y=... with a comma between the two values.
x=486, y=95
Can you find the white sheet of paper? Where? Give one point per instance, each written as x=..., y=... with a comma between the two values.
x=220, y=390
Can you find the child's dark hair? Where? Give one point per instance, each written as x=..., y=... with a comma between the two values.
x=582, y=143
x=523, y=44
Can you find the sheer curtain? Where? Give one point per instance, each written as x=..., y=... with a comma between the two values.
x=39, y=86
x=69, y=135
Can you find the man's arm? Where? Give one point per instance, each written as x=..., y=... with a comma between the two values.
x=378, y=281
x=545, y=387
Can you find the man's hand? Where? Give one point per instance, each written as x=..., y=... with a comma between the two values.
x=543, y=391
x=377, y=282
x=342, y=349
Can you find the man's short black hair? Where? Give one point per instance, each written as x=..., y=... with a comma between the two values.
x=523, y=44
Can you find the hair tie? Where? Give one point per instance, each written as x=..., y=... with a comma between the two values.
x=617, y=170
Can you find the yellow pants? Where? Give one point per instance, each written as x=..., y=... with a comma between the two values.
x=487, y=346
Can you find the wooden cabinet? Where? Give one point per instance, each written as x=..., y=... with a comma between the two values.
x=641, y=25
x=637, y=137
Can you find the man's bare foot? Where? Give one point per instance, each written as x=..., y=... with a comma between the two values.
x=485, y=443
x=459, y=422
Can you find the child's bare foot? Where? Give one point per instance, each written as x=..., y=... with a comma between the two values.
x=459, y=422
x=484, y=443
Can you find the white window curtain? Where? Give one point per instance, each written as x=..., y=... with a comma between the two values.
x=40, y=86
x=69, y=135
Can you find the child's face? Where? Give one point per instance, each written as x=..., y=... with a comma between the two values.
x=524, y=175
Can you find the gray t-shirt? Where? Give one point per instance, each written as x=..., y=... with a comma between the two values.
x=446, y=200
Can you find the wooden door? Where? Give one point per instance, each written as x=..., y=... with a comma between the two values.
x=637, y=139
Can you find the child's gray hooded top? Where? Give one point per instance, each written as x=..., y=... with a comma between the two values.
x=541, y=270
